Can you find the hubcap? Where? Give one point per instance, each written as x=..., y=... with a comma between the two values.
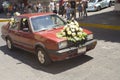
x=9, y=44
x=41, y=57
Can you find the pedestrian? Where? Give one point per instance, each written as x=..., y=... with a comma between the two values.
x=80, y=10
x=22, y=7
x=10, y=10
x=55, y=8
x=65, y=6
x=35, y=9
x=29, y=8
x=85, y=6
x=68, y=11
x=61, y=7
x=14, y=7
x=39, y=6
x=73, y=9
x=51, y=6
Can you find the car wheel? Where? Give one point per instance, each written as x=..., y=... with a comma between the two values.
x=43, y=57
x=9, y=44
x=110, y=4
x=99, y=8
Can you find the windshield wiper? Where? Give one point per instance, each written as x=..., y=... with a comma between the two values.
x=43, y=29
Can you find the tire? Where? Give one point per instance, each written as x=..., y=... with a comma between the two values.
x=99, y=8
x=110, y=4
x=42, y=56
x=9, y=44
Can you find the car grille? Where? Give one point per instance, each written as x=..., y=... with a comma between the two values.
x=71, y=43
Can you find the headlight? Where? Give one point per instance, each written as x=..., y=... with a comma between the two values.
x=90, y=36
x=62, y=44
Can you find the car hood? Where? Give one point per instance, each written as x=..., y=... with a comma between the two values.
x=51, y=34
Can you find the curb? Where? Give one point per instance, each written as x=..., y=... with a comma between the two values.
x=4, y=20
x=100, y=26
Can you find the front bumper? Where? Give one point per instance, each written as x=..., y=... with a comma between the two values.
x=72, y=51
x=91, y=9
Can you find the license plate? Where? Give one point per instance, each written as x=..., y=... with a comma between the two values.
x=81, y=50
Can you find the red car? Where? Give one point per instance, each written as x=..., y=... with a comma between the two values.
x=36, y=33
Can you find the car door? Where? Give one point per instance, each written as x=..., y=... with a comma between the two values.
x=104, y=3
x=107, y=2
x=101, y=3
x=26, y=37
x=13, y=31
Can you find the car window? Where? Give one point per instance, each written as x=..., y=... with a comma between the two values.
x=46, y=22
x=24, y=25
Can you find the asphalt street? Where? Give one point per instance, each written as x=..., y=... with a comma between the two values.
x=102, y=63
x=106, y=18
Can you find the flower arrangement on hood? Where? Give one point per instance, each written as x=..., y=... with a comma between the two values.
x=72, y=32
x=13, y=20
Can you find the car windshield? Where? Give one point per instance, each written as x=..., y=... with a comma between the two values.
x=92, y=1
x=47, y=22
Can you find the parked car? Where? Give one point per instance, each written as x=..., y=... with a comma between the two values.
x=36, y=33
x=96, y=5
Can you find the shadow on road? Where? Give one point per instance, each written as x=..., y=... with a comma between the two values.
x=54, y=68
x=105, y=34
x=107, y=18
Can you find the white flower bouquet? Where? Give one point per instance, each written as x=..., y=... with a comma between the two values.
x=13, y=20
x=72, y=32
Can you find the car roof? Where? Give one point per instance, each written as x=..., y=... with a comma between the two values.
x=29, y=15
